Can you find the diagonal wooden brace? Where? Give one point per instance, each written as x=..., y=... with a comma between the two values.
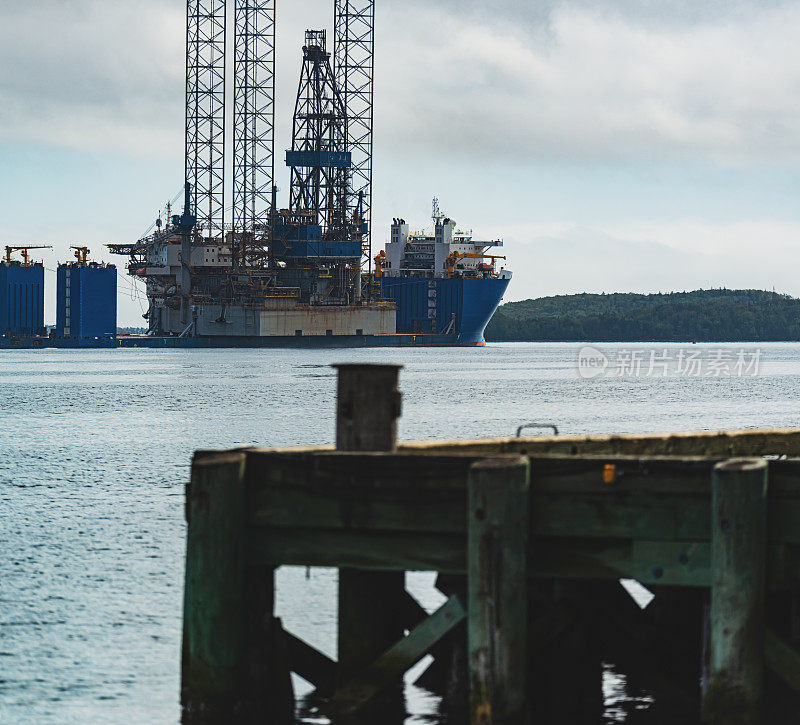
x=396, y=660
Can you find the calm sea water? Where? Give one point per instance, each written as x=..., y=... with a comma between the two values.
x=95, y=449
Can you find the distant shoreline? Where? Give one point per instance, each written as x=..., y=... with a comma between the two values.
x=715, y=315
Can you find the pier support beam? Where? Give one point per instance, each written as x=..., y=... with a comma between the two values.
x=497, y=601
x=370, y=602
x=734, y=690
x=214, y=634
x=234, y=661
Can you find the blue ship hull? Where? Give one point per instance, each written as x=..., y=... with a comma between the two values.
x=458, y=306
x=430, y=312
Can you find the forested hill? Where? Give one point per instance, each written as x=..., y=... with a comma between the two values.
x=716, y=315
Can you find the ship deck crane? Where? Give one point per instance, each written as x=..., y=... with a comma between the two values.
x=24, y=249
x=81, y=255
x=455, y=257
x=380, y=263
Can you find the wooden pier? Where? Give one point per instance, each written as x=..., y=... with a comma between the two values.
x=530, y=537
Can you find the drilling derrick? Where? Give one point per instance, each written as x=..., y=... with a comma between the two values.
x=315, y=237
x=319, y=159
x=353, y=24
x=205, y=113
x=253, y=130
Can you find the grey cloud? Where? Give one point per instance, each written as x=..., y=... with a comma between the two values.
x=659, y=13
x=603, y=87
x=91, y=73
x=597, y=80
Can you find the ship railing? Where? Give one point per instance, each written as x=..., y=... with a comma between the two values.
x=282, y=292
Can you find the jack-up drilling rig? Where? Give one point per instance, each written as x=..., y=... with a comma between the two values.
x=253, y=268
x=241, y=270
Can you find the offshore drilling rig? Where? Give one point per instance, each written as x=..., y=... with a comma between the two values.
x=240, y=269
x=254, y=268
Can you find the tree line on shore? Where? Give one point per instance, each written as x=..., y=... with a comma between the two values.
x=714, y=315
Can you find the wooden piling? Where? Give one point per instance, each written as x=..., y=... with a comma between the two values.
x=497, y=520
x=367, y=407
x=234, y=662
x=370, y=602
x=738, y=553
x=565, y=667
x=214, y=593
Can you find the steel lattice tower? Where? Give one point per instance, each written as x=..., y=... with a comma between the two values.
x=253, y=126
x=205, y=112
x=318, y=193
x=354, y=45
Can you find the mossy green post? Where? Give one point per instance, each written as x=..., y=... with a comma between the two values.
x=497, y=599
x=735, y=685
x=234, y=659
x=214, y=593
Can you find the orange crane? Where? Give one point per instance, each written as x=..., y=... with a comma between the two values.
x=24, y=249
x=81, y=254
x=454, y=258
x=380, y=263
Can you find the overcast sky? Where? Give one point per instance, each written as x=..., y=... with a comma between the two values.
x=646, y=145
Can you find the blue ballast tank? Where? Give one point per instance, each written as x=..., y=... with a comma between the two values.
x=86, y=301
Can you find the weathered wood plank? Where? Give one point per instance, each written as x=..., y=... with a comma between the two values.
x=665, y=563
x=722, y=444
x=397, y=659
x=389, y=551
x=651, y=562
x=653, y=498
x=318, y=470
x=670, y=518
x=291, y=506
x=738, y=552
x=497, y=601
x=627, y=516
x=718, y=444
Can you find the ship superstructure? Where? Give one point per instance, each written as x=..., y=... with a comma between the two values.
x=448, y=252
